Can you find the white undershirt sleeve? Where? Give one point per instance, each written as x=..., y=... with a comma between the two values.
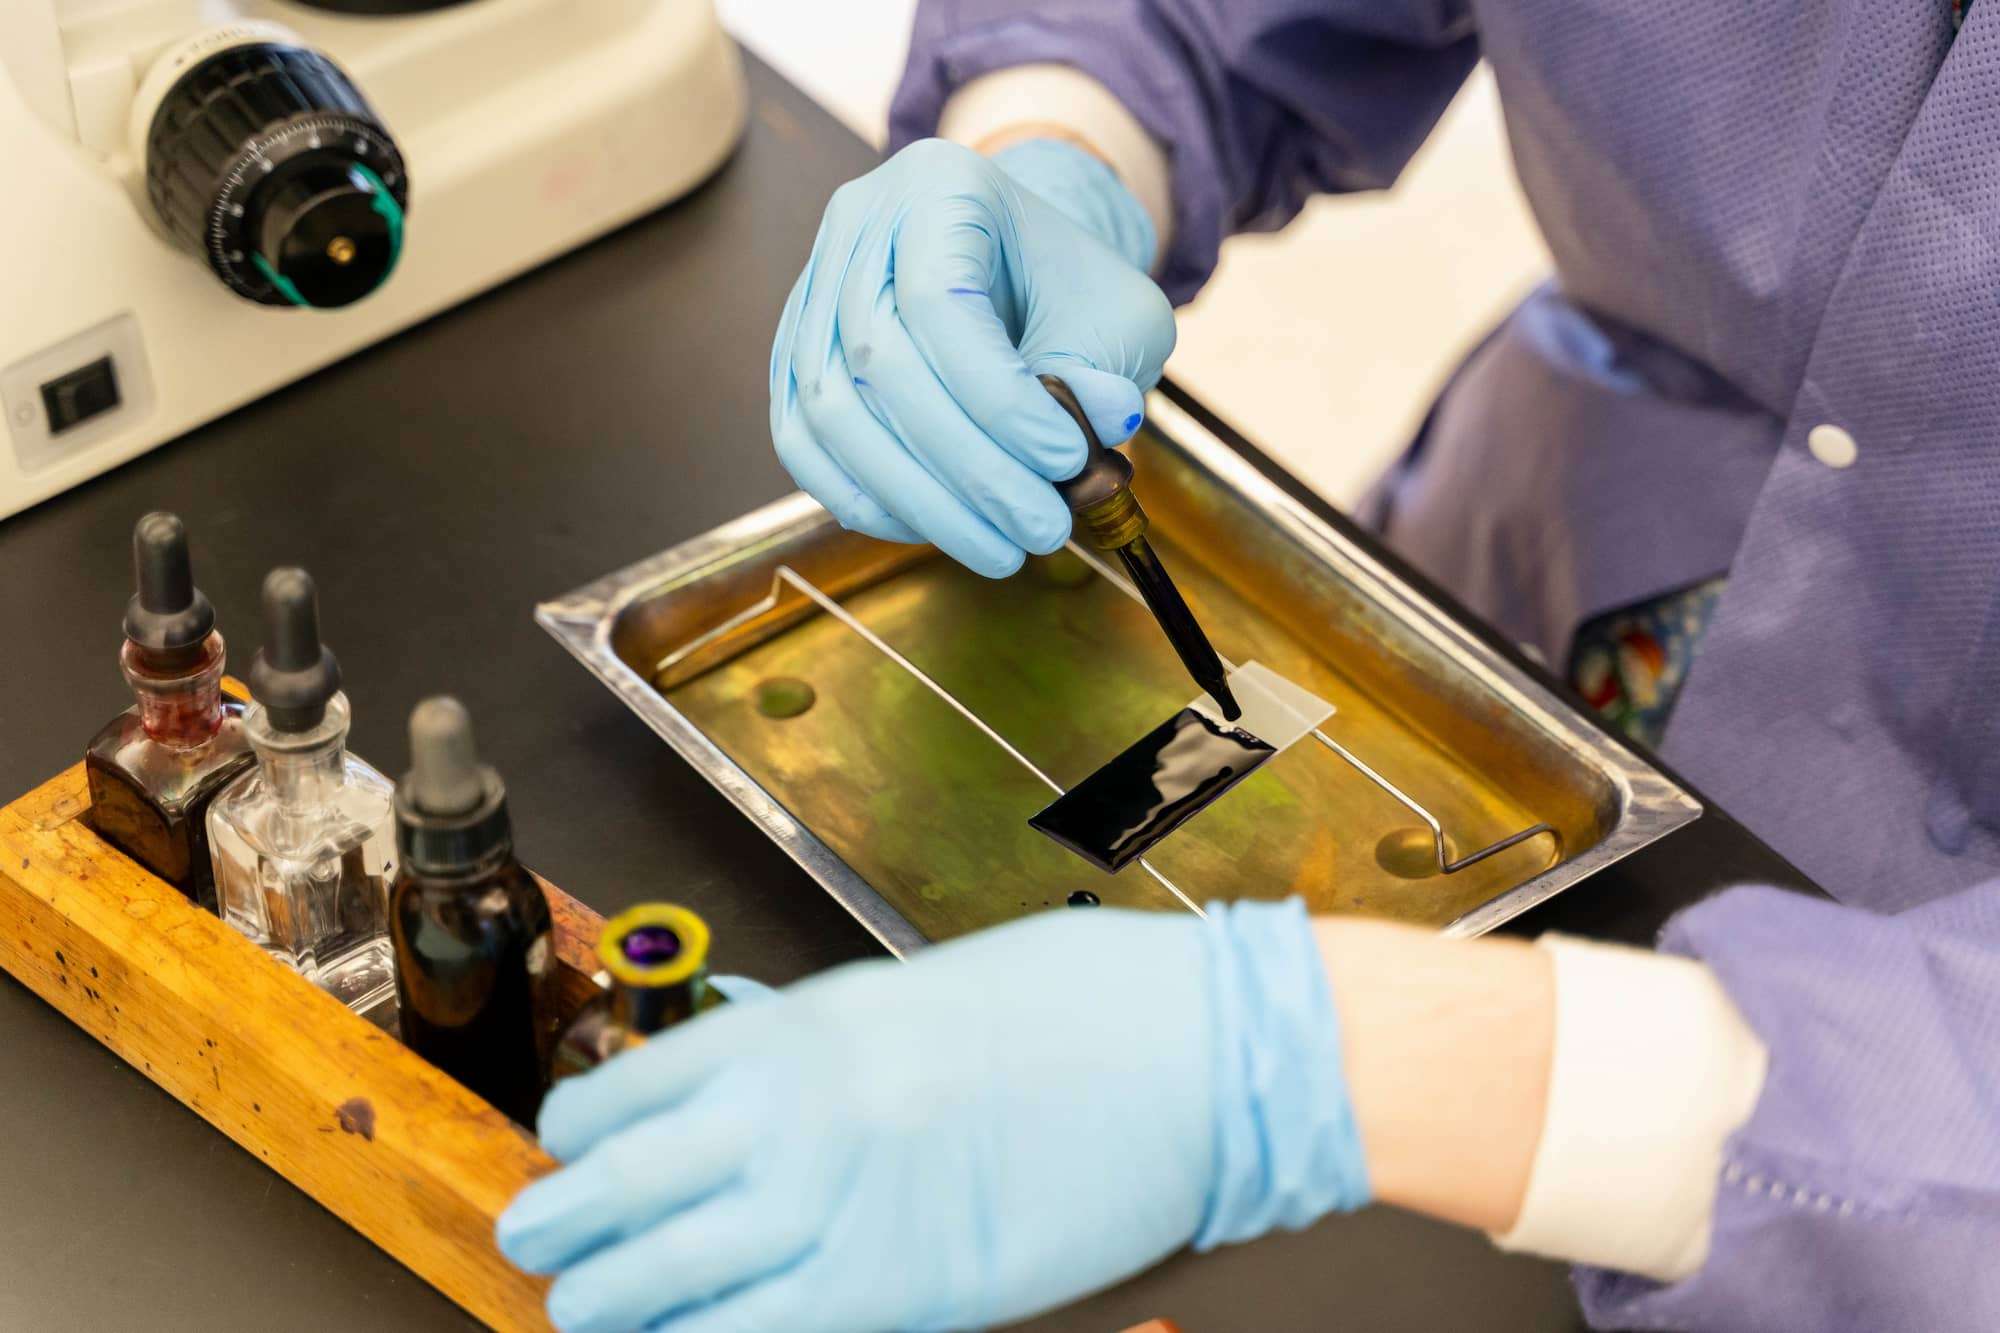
x=1653, y=1070
x=1059, y=95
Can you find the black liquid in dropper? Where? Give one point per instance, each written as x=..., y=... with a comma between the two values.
x=1101, y=495
x=1170, y=775
x=1149, y=576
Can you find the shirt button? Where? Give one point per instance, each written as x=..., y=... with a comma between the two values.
x=1832, y=446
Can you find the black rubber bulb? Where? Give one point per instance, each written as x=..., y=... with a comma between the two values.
x=167, y=612
x=161, y=569
x=445, y=777
x=294, y=674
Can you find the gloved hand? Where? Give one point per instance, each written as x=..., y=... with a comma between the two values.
x=1006, y=1123
x=903, y=392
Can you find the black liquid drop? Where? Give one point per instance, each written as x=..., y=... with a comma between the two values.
x=1118, y=813
x=1084, y=898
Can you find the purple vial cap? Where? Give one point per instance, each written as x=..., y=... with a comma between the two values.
x=652, y=946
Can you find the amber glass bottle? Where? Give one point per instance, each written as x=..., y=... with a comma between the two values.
x=473, y=936
x=154, y=769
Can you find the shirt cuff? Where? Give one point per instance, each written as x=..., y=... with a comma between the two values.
x=1653, y=1070
x=1065, y=99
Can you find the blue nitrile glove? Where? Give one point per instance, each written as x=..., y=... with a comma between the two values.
x=1004, y=1124
x=903, y=392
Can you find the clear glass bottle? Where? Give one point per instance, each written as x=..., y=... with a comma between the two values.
x=304, y=844
x=153, y=770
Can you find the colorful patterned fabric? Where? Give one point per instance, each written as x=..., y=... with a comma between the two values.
x=1630, y=664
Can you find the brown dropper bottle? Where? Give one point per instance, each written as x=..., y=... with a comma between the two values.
x=155, y=767
x=472, y=931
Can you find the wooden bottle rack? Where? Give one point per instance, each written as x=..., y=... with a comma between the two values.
x=397, y=1149
x=394, y=1147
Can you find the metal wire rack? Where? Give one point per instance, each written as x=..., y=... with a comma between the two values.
x=785, y=575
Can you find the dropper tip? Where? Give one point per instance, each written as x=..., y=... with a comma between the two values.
x=1218, y=690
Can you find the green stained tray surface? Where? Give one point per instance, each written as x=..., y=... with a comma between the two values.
x=934, y=814
x=917, y=820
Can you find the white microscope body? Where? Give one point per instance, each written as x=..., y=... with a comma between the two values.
x=178, y=177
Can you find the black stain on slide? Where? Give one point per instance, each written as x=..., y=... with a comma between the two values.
x=1114, y=816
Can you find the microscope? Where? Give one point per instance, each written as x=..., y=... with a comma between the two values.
x=208, y=199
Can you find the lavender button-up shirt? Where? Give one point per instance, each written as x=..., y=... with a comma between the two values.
x=1766, y=217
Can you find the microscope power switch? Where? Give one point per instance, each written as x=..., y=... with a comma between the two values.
x=88, y=391
x=265, y=160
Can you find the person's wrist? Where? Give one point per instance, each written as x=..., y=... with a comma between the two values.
x=1023, y=131
x=1447, y=1046
x=1063, y=170
x=1288, y=1147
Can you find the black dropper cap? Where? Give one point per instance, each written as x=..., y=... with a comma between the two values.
x=167, y=613
x=293, y=674
x=451, y=810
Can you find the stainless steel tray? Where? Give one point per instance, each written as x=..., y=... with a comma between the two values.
x=947, y=706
